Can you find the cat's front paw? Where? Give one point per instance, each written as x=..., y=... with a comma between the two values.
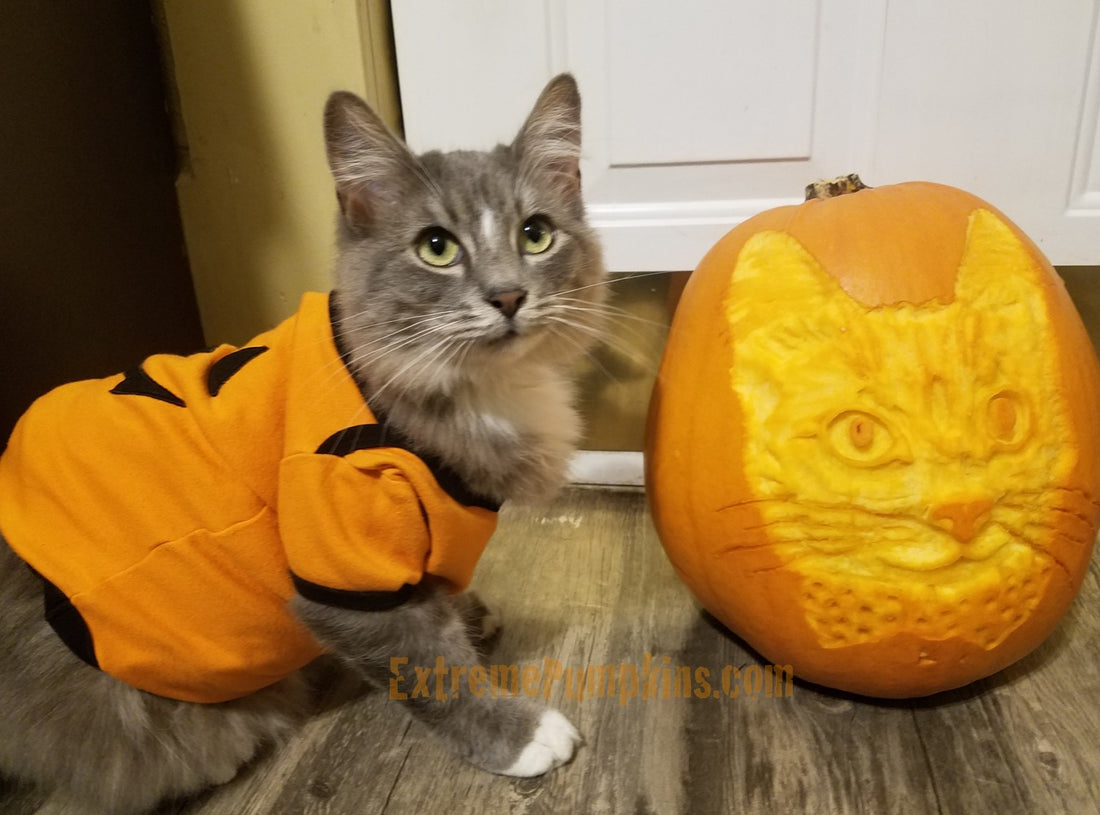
x=552, y=745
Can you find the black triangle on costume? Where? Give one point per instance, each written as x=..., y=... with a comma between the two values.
x=222, y=370
x=139, y=383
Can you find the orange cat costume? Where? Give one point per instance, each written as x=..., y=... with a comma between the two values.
x=173, y=511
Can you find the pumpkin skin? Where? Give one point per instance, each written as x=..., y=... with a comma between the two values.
x=971, y=491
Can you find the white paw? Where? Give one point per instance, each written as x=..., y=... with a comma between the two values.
x=553, y=744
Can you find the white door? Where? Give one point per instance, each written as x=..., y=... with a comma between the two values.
x=700, y=113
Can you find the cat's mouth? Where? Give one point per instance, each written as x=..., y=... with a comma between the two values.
x=512, y=335
x=507, y=334
x=941, y=548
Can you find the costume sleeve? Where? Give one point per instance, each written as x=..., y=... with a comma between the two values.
x=352, y=528
x=361, y=530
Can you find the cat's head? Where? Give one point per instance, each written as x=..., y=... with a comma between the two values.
x=916, y=451
x=452, y=265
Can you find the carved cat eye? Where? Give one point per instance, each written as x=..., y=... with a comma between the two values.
x=1008, y=420
x=862, y=440
x=536, y=235
x=437, y=247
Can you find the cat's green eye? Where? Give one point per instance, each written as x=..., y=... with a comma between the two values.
x=861, y=439
x=437, y=247
x=535, y=236
x=1008, y=420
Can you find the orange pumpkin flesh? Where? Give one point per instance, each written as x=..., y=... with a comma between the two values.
x=890, y=544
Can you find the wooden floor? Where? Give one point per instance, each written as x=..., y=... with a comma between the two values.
x=585, y=583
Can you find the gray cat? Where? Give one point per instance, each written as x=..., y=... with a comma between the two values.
x=325, y=488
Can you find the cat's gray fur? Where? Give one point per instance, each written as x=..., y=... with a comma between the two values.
x=485, y=390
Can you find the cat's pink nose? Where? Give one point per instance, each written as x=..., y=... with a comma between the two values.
x=962, y=519
x=507, y=302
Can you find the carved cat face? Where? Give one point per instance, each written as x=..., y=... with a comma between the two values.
x=907, y=459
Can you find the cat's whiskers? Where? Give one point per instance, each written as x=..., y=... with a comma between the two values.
x=424, y=377
x=348, y=329
x=607, y=281
x=1036, y=513
x=592, y=321
x=564, y=327
x=1076, y=493
x=336, y=367
x=555, y=331
x=606, y=310
x=426, y=358
x=364, y=354
x=1023, y=533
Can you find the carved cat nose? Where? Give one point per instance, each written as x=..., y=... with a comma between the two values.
x=507, y=302
x=963, y=520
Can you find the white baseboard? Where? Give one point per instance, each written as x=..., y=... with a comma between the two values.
x=607, y=469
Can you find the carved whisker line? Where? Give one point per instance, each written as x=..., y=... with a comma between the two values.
x=1018, y=534
x=1021, y=534
x=755, y=547
x=1082, y=494
x=750, y=502
x=1038, y=534
x=1065, y=511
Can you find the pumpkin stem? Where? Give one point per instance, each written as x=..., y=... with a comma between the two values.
x=843, y=185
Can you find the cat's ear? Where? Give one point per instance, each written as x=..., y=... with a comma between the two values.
x=776, y=277
x=369, y=163
x=549, y=143
x=997, y=270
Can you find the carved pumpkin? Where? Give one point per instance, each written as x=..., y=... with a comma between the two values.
x=872, y=449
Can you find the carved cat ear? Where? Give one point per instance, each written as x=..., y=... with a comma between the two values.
x=776, y=277
x=997, y=270
x=369, y=163
x=549, y=143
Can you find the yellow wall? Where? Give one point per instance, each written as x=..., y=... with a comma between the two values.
x=255, y=195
